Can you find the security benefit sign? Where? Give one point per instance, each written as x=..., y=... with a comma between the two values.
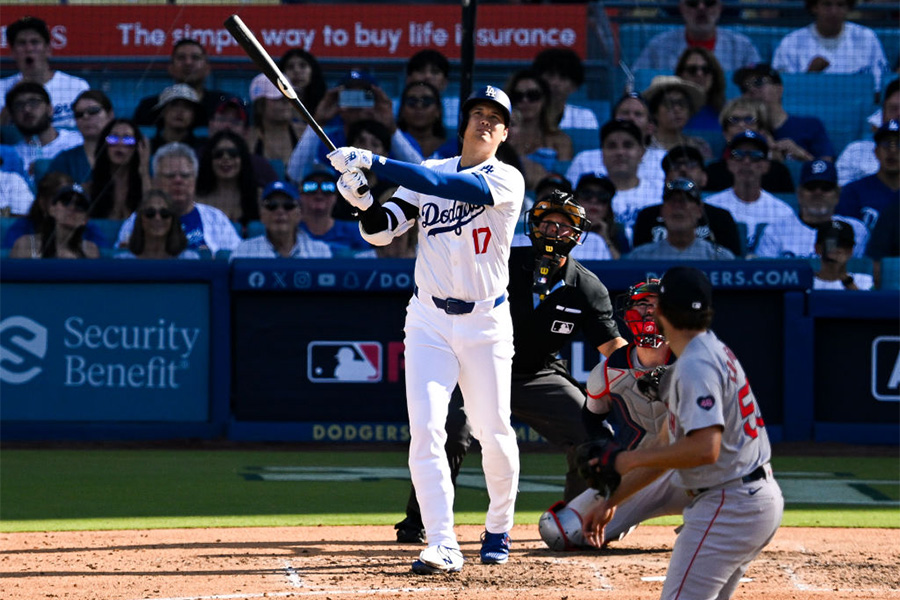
x=113, y=352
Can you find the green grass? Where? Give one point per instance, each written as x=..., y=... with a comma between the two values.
x=46, y=490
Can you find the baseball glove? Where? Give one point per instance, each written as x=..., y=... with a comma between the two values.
x=600, y=474
x=648, y=383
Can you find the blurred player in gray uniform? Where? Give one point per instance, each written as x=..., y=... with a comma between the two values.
x=622, y=393
x=552, y=298
x=458, y=326
x=719, y=450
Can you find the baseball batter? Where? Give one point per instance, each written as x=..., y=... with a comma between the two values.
x=621, y=392
x=458, y=326
x=719, y=450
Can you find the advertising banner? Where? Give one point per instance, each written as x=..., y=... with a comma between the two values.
x=104, y=352
x=369, y=31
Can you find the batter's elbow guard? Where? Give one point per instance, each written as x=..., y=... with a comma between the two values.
x=595, y=425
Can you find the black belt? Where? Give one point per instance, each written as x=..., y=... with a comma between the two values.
x=757, y=474
x=454, y=306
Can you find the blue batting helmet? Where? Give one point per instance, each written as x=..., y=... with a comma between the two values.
x=487, y=93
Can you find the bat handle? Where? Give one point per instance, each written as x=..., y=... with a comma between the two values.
x=362, y=189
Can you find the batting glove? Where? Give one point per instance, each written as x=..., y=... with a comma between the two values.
x=350, y=183
x=350, y=158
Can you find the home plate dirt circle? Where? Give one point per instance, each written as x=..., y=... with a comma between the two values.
x=364, y=562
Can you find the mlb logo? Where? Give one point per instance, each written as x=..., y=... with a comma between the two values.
x=886, y=368
x=344, y=362
x=562, y=327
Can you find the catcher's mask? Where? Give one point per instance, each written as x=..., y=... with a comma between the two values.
x=553, y=242
x=643, y=327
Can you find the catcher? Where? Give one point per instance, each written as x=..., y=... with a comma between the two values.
x=622, y=393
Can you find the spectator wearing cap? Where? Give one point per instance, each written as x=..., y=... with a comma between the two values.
x=701, y=18
x=750, y=205
x=672, y=102
x=178, y=109
x=834, y=245
x=174, y=168
x=831, y=44
x=318, y=196
x=739, y=115
x=231, y=115
x=61, y=233
x=32, y=114
x=272, y=135
x=681, y=210
x=817, y=197
x=188, y=65
x=563, y=71
x=357, y=97
x=858, y=159
x=865, y=198
x=93, y=111
x=715, y=224
x=280, y=213
x=796, y=137
x=305, y=75
x=630, y=107
x=591, y=246
x=432, y=67
x=29, y=43
x=596, y=194
x=623, y=149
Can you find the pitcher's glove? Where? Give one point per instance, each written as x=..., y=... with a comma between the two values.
x=648, y=383
x=601, y=473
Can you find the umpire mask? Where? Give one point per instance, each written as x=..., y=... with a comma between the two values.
x=553, y=239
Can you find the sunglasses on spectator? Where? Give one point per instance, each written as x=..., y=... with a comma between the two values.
x=819, y=186
x=88, y=112
x=675, y=103
x=76, y=201
x=164, y=213
x=121, y=140
x=753, y=155
x=697, y=69
x=696, y=3
x=530, y=95
x=419, y=101
x=736, y=120
x=273, y=205
x=756, y=82
x=20, y=105
x=223, y=152
x=311, y=187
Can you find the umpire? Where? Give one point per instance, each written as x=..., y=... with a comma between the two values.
x=552, y=297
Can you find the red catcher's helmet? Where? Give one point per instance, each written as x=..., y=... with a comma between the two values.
x=643, y=327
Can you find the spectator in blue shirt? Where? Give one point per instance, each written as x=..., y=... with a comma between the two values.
x=865, y=198
x=800, y=138
x=93, y=111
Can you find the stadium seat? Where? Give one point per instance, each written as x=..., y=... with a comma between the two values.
x=5, y=224
x=791, y=199
x=890, y=273
x=10, y=135
x=223, y=254
x=766, y=39
x=255, y=229
x=39, y=168
x=109, y=228
x=890, y=41
x=634, y=36
x=278, y=167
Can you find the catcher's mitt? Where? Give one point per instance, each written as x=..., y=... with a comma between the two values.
x=648, y=383
x=602, y=474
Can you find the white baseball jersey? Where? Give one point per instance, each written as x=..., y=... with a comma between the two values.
x=791, y=237
x=756, y=215
x=856, y=161
x=463, y=248
x=706, y=387
x=626, y=204
x=590, y=162
x=63, y=90
x=856, y=50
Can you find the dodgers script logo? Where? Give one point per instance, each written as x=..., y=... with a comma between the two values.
x=23, y=343
x=452, y=219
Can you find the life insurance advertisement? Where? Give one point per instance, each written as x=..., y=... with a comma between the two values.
x=94, y=352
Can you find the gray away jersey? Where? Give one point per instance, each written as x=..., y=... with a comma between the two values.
x=707, y=386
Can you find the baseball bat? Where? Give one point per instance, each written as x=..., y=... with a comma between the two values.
x=255, y=51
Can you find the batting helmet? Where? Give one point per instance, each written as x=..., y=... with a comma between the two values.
x=560, y=528
x=487, y=93
x=642, y=326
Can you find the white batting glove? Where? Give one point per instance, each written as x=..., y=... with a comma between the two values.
x=350, y=183
x=350, y=158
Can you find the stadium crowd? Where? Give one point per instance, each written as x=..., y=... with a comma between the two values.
x=677, y=170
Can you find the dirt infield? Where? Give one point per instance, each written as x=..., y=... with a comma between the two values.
x=363, y=562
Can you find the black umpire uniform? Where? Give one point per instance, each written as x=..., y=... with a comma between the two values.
x=544, y=394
